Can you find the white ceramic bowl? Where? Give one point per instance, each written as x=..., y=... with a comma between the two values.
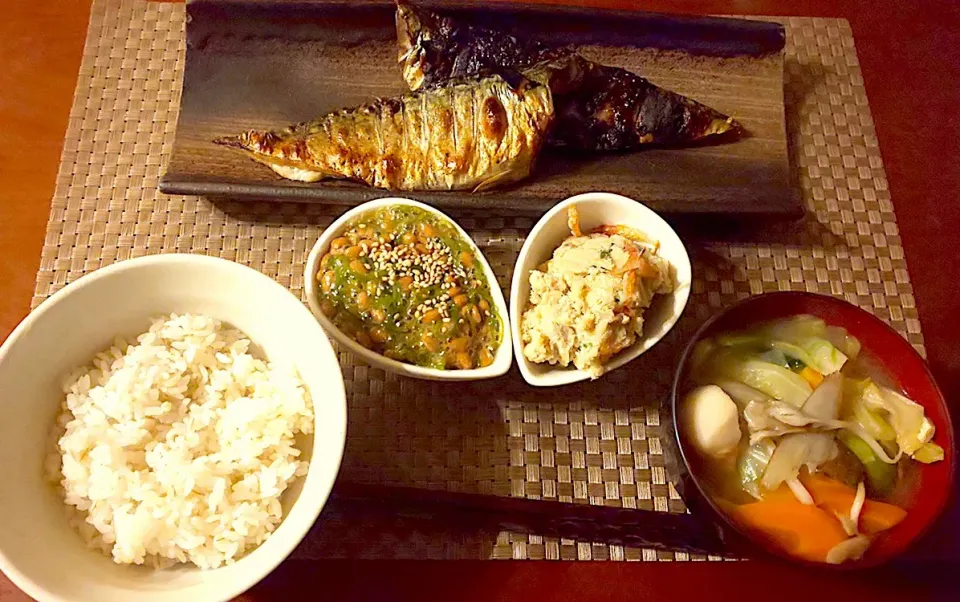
x=504, y=354
x=39, y=551
x=598, y=208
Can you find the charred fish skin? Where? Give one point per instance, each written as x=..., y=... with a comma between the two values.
x=464, y=135
x=599, y=108
x=434, y=49
x=615, y=109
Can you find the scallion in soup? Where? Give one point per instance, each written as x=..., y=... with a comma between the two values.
x=802, y=438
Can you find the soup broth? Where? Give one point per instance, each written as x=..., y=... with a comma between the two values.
x=802, y=437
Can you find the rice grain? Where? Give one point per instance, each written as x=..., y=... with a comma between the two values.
x=177, y=447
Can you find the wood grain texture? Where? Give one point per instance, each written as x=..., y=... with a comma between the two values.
x=265, y=67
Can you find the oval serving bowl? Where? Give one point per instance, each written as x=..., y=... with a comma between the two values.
x=39, y=549
x=504, y=353
x=598, y=208
x=899, y=360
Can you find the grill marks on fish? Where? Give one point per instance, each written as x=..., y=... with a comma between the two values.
x=598, y=107
x=462, y=135
x=494, y=118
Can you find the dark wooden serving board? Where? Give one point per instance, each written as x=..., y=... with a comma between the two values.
x=270, y=64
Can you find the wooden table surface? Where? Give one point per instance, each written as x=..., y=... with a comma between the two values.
x=911, y=66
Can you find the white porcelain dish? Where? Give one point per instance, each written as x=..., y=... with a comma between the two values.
x=39, y=551
x=598, y=208
x=504, y=354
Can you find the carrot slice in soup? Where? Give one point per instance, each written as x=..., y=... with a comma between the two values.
x=812, y=377
x=803, y=531
x=834, y=496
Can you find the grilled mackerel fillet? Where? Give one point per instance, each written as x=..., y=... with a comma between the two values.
x=463, y=135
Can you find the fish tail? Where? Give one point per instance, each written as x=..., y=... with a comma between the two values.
x=286, y=155
x=231, y=141
x=713, y=123
x=725, y=126
x=265, y=143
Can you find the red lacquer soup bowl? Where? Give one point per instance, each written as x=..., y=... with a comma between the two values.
x=931, y=483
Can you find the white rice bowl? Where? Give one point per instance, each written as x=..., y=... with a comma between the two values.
x=178, y=446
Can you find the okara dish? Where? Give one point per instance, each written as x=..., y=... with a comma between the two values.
x=403, y=282
x=803, y=438
x=586, y=303
x=177, y=447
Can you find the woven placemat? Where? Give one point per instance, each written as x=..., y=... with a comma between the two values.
x=590, y=443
